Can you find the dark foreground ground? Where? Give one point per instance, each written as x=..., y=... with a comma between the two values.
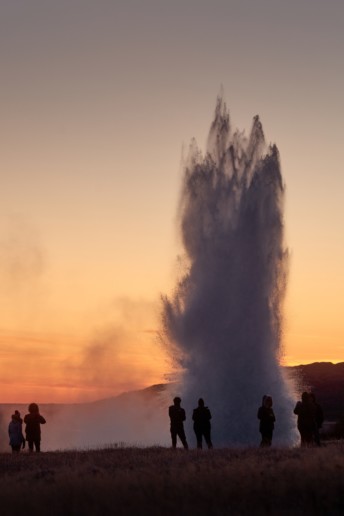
x=160, y=481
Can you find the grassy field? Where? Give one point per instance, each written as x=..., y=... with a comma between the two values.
x=160, y=481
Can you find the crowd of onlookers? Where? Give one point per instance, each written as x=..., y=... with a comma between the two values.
x=310, y=418
x=33, y=421
x=201, y=417
x=309, y=421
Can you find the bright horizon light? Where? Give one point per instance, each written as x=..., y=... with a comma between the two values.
x=100, y=101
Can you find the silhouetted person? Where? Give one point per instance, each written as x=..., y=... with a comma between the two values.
x=33, y=422
x=267, y=421
x=319, y=418
x=177, y=417
x=306, y=419
x=15, y=432
x=201, y=417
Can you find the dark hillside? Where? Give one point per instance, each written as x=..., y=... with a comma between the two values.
x=139, y=417
x=326, y=380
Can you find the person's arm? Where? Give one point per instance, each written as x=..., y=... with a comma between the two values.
x=42, y=420
x=297, y=408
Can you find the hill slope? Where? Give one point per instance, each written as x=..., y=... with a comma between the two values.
x=140, y=417
x=326, y=380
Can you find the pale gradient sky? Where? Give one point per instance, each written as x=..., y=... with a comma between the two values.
x=97, y=100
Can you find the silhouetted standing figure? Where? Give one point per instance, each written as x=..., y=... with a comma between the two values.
x=15, y=432
x=201, y=417
x=177, y=417
x=33, y=422
x=267, y=421
x=306, y=419
x=319, y=418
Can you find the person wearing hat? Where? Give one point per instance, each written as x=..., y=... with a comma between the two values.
x=177, y=417
x=15, y=432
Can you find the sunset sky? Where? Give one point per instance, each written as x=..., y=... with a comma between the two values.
x=98, y=100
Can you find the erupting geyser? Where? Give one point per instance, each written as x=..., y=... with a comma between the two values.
x=223, y=322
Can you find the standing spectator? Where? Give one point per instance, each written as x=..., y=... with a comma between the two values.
x=306, y=422
x=267, y=421
x=15, y=432
x=33, y=422
x=319, y=418
x=201, y=417
x=177, y=417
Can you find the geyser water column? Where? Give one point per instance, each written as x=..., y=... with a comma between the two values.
x=223, y=322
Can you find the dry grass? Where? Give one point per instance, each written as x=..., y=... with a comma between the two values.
x=159, y=481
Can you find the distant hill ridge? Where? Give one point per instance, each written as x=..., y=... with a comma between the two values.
x=324, y=379
x=135, y=417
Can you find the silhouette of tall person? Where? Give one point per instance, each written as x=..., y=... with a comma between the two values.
x=201, y=417
x=177, y=417
x=267, y=420
x=319, y=418
x=33, y=421
x=306, y=419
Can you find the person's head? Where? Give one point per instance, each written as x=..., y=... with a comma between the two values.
x=177, y=401
x=201, y=402
x=268, y=401
x=263, y=399
x=305, y=397
x=16, y=416
x=33, y=408
x=311, y=396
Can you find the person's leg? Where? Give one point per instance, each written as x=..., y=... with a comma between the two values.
x=15, y=449
x=199, y=439
x=306, y=437
x=268, y=437
x=37, y=445
x=182, y=437
x=174, y=438
x=30, y=443
x=265, y=440
x=317, y=436
x=207, y=438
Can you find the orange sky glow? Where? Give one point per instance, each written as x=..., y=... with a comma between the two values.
x=99, y=103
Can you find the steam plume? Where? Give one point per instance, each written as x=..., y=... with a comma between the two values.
x=224, y=320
